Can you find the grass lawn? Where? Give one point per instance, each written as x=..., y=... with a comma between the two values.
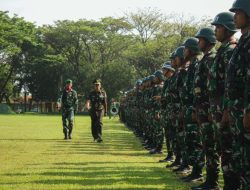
x=33, y=155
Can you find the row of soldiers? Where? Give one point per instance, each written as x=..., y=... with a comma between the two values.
x=200, y=102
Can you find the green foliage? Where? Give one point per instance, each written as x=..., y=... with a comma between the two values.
x=117, y=50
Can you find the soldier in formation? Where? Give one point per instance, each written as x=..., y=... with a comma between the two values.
x=200, y=103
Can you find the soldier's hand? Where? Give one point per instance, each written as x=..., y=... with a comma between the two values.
x=105, y=114
x=157, y=116
x=246, y=122
x=194, y=117
x=225, y=117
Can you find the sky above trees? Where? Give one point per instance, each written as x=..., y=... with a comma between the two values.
x=47, y=11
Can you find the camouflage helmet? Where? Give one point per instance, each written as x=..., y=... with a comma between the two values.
x=151, y=77
x=225, y=19
x=68, y=81
x=159, y=74
x=138, y=82
x=172, y=55
x=208, y=34
x=167, y=66
x=179, y=52
x=192, y=44
x=243, y=5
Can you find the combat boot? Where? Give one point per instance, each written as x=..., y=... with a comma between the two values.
x=65, y=136
x=169, y=158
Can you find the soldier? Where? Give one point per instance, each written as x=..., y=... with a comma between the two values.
x=96, y=104
x=157, y=127
x=206, y=44
x=168, y=72
x=238, y=92
x=178, y=85
x=192, y=131
x=68, y=103
x=224, y=32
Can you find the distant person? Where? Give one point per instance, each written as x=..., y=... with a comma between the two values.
x=96, y=104
x=68, y=104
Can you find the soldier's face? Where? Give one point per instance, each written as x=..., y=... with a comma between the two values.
x=178, y=62
x=241, y=20
x=97, y=87
x=202, y=44
x=187, y=53
x=220, y=32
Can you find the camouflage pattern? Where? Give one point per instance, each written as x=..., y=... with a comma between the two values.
x=216, y=88
x=69, y=105
x=192, y=131
x=238, y=93
x=208, y=130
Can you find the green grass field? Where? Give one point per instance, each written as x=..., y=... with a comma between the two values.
x=35, y=156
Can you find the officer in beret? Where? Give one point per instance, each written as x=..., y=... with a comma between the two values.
x=96, y=104
x=68, y=104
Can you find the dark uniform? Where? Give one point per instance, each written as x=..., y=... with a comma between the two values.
x=98, y=104
x=69, y=105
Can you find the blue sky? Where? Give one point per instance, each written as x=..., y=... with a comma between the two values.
x=48, y=11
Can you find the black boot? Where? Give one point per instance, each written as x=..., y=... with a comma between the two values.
x=65, y=136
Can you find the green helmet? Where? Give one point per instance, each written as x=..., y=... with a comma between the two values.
x=167, y=66
x=159, y=74
x=225, y=19
x=179, y=52
x=138, y=82
x=68, y=81
x=151, y=77
x=172, y=56
x=192, y=44
x=243, y=5
x=208, y=34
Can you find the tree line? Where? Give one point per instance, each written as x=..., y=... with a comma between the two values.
x=37, y=59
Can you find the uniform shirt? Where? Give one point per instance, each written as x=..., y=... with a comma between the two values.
x=201, y=77
x=188, y=86
x=97, y=100
x=68, y=100
x=217, y=74
x=238, y=75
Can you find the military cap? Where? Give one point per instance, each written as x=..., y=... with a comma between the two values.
x=179, y=52
x=207, y=33
x=243, y=5
x=97, y=81
x=225, y=19
x=68, y=81
x=192, y=43
x=159, y=74
x=168, y=66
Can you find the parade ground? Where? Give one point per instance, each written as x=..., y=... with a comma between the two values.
x=35, y=156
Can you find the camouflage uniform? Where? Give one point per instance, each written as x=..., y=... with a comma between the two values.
x=98, y=104
x=237, y=87
x=193, y=133
x=69, y=105
x=201, y=103
x=216, y=88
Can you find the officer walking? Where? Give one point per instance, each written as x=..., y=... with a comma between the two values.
x=97, y=106
x=68, y=103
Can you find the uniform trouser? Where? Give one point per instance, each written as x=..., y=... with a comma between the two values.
x=176, y=145
x=181, y=141
x=157, y=134
x=166, y=123
x=96, y=123
x=193, y=143
x=241, y=148
x=67, y=120
x=224, y=142
x=209, y=131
